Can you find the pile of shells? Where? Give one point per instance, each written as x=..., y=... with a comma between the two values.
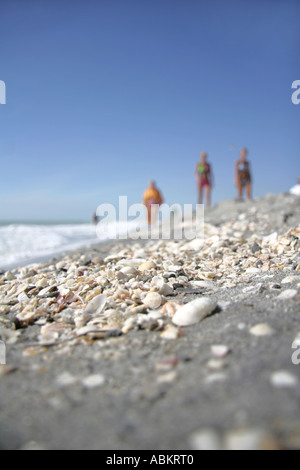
x=96, y=296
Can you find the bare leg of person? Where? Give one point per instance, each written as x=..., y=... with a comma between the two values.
x=149, y=214
x=208, y=201
x=200, y=192
x=240, y=190
x=249, y=191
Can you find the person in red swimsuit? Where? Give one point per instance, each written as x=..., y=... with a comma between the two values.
x=204, y=179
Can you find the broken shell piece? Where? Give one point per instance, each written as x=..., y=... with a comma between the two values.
x=194, y=311
x=171, y=332
x=95, y=306
x=170, y=308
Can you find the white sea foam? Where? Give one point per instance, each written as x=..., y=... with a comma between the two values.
x=22, y=244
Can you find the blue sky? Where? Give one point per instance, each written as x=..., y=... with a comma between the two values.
x=103, y=95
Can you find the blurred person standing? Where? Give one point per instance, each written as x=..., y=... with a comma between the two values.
x=152, y=199
x=204, y=179
x=243, y=177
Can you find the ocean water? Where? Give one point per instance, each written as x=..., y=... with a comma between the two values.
x=23, y=243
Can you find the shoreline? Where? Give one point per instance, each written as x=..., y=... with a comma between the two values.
x=94, y=341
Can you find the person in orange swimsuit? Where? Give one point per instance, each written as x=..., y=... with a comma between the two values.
x=152, y=197
x=204, y=177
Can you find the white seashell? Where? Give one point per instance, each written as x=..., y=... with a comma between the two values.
x=203, y=284
x=215, y=364
x=270, y=239
x=248, y=439
x=133, y=263
x=152, y=300
x=205, y=439
x=23, y=297
x=26, y=316
x=154, y=315
x=261, y=329
x=129, y=270
x=288, y=294
x=93, y=381
x=129, y=324
x=95, y=306
x=220, y=350
x=283, y=379
x=194, y=311
x=290, y=279
x=147, y=266
x=9, y=336
x=42, y=283
x=171, y=332
x=168, y=377
x=66, y=379
x=214, y=378
x=253, y=270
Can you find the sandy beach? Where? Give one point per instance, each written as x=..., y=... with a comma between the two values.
x=159, y=344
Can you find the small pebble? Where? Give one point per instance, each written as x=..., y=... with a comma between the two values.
x=220, y=350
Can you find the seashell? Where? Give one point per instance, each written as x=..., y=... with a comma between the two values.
x=133, y=263
x=93, y=381
x=26, y=316
x=154, y=315
x=261, y=329
x=216, y=377
x=215, y=364
x=290, y=279
x=288, y=294
x=194, y=311
x=220, y=350
x=250, y=439
x=9, y=336
x=171, y=332
x=147, y=266
x=153, y=300
x=129, y=324
x=166, y=362
x=54, y=328
x=283, y=379
x=205, y=439
x=129, y=270
x=170, y=308
x=23, y=297
x=95, y=306
x=168, y=377
x=42, y=283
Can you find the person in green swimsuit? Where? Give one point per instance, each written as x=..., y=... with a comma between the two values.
x=204, y=179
